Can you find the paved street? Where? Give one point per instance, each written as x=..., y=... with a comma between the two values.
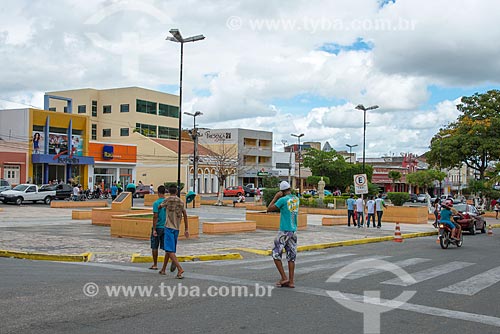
x=53, y=231
x=456, y=289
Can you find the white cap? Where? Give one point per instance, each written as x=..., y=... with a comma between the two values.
x=284, y=185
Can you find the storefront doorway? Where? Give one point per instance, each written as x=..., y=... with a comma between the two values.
x=57, y=173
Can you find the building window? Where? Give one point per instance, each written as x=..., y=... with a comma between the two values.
x=106, y=109
x=168, y=110
x=124, y=132
x=168, y=133
x=52, y=109
x=82, y=109
x=146, y=107
x=94, y=108
x=65, y=110
x=94, y=131
x=106, y=132
x=124, y=108
x=147, y=130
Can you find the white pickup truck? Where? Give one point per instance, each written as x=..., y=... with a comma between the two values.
x=27, y=192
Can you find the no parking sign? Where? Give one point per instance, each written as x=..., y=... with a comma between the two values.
x=360, y=184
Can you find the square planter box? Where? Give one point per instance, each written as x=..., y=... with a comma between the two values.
x=271, y=221
x=138, y=226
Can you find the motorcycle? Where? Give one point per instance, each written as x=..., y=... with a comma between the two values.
x=445, y=236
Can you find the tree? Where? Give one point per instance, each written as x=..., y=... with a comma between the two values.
x=473, y=138
x=394, y=176
x=425, y=178
x=224, y=161
x=313, y=179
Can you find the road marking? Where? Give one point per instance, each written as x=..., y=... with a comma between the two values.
x=422, y=309
x=473, y=285
x=259, y=260
x=373, y=271
x=430, y=273
x=270, y=264
x=318, y=267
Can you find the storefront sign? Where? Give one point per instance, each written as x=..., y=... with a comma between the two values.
x=61, y=159
x=107, y=152
x=218, y=136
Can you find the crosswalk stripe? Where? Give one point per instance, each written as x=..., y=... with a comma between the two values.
x=261, y=259
x=373, y=271
x=299, y=261
x=327, y=266
x=476, y=283
x=430, y=273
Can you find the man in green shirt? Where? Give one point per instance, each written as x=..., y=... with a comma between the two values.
x=157, y=231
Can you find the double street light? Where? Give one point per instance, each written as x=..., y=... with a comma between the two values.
x=350, y=151
x=194, y=135
x=362, y=107
x=300, y=157
x=177, y=37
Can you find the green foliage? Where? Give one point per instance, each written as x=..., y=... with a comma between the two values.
x=315, y=179
x=168, y=184
x=307, y=196
x=270, y=182
x=394, y=176
x=269, y=194
x=398, y=198
x=425, y=178
x=473, y=138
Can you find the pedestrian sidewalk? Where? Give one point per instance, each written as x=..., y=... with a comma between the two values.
x=37, y=228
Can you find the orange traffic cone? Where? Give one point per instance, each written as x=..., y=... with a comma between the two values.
x=490, y=230
x=397, y=234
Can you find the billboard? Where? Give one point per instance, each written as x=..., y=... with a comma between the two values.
x=58, y=143
x=228, y=136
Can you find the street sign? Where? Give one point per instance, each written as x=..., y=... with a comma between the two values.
x=360, y=184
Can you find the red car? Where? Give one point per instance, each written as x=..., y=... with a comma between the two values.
x=234, y=191
x=472, y=219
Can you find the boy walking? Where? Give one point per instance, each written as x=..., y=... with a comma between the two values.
x=288, y=206
x=175, y=212
x=350, y=210
x=379, y=206
x=157, y=231
x=370, y=208
x=360, y=209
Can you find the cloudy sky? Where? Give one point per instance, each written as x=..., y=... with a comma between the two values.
x=282, y=66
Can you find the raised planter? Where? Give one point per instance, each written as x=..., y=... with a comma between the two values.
x=257, y=207
x=271, y=220
x=333, y=221
x=82, y=204
x=229, y=227
x=323, y=211
x=138, y=226
x=406, y=214
x=102, y=216
x=81, y=214
x=213, y=201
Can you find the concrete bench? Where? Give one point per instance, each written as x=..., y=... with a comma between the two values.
x=333, y=221
x=81, y=214
x=229, y=227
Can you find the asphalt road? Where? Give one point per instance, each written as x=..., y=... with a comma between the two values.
x=456, y=290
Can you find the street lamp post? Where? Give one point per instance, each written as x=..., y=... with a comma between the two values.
x=440, y=149
x=362, y=107
x=284, y=142
x=300, y=156
x=194, y=135
x=350, y=151
x=177, y=37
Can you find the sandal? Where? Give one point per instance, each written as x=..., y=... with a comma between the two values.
x=180, y=275
x=153, y=268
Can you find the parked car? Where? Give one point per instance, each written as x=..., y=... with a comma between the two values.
x=249, y=192
x=63, y=190
x=413, y=198
x=140, y=191
x=422, y=198
x=234, y=191
x=27, y=192
x=327, y=192
x=4, y=185
x=472, y=218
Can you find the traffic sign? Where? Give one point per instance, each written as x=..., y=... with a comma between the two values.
x=360, y=184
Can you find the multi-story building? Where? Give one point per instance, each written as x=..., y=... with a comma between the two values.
x=253, y=150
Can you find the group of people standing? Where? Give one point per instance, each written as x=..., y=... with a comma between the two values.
x=356, y=209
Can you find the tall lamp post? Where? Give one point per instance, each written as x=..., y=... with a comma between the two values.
x=362, y=107
x=194, y=135
x=284, y=142
x=177, y=37
x=350, y=151
x=440, y=149
x=300, y=181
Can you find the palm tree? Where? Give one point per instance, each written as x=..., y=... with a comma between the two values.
x=394, y=176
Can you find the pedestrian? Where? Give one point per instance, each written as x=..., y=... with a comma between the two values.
x=288, y=206
x=120, y=187
x=350, y=210
x=436, y=211
x=497, y=208
x=158, y=229
x=131, y=189
x=151, y=189
x=370, y=209
x=241, y=199
x=379, y=207
x=360, y=209
x=174, y=214
x=114, y=191
x=76, y=192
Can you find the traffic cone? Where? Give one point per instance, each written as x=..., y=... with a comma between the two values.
x=397, y=234
x=490, y=230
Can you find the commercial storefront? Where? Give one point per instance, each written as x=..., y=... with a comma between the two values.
x=112, y=163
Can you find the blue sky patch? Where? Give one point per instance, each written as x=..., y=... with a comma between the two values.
x=303, y=103
x=440, y=93
x=382, y=3
x=358, y=45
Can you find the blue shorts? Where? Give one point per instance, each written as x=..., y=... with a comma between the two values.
x=450, y=224
x=171, y=236
x=159, y=240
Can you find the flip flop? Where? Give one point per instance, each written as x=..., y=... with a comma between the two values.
x=161, y=272
x=180, y=275
x=153, y=268
x=281, y=284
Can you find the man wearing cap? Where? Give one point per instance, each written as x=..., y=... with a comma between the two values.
x=288, y=206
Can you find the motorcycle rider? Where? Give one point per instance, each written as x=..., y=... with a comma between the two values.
x=447, y=218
